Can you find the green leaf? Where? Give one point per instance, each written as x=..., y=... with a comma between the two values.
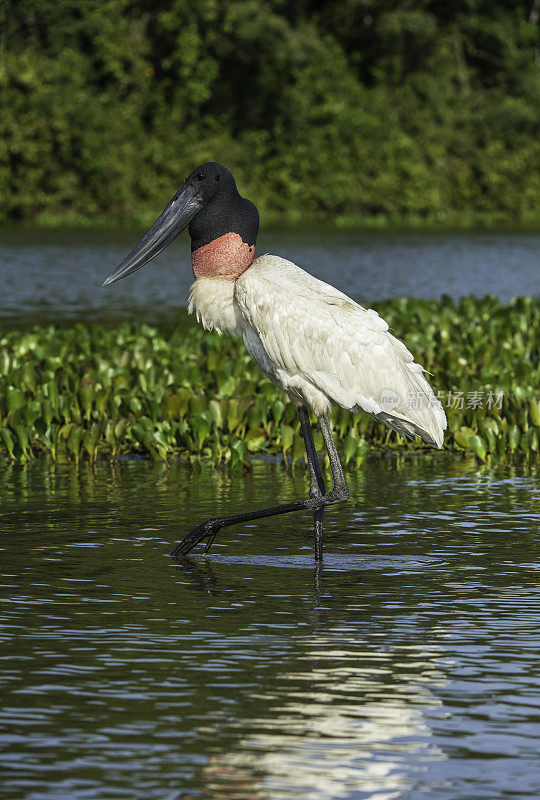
x=7, y=438
x=490, y=424
x=350, y=445
x=120, y=429
x=534, y=411
x=197, y=404
x=287, y=436
x=255, y=439
x=513, y=437
x=478, y=445
x=100, y=400
x=226, y=384
x=51, y=391
x=89, y=441
x=361, y=451
x=14, y=399
x=298, y=448
x=216, y=410
x=74, y=441
x=463, y=437
x=86, y=396
x=23, y=439
x=278, y=407
x=201, y=425
x=238, y=452
x=233, y=415
x=491, y=440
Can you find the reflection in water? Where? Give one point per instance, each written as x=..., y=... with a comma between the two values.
x=347, y=720
x=403, y=667
x=349, y=725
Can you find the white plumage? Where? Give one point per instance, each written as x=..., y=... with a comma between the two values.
x=311, y=340
x=320, y=346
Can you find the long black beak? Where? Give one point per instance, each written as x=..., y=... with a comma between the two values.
x=172, y=221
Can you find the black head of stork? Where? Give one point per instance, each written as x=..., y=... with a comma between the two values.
x=223, y=225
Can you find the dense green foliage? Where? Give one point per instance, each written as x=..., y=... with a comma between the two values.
x=355, y=109
x=86, y=390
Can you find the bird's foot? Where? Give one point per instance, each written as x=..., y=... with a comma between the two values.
x=336, y=495
x=209, y=528
x=339, y=494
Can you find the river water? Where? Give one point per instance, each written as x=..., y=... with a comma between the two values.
x=50, y=276
x=405, y=666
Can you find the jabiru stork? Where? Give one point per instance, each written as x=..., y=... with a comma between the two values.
x=312, y=341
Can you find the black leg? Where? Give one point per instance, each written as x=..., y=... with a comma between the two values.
x=317, y=483
x=210, y=527
x=340, y=492
x=312, y=459
x=317, y=497
x=318, y=530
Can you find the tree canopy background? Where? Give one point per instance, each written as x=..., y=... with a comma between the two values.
x=393, y=110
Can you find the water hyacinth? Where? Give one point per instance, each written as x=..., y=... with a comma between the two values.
x=92, y=390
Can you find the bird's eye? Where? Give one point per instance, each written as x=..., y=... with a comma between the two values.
x=200, y=176
x=218, y=177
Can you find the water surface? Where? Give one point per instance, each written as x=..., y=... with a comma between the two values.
x=406, y=666
x=51, y=276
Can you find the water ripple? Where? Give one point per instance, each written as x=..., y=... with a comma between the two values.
x=405, y=666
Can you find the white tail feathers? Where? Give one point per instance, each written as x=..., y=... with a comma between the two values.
x=406, y=427
x=419, y=413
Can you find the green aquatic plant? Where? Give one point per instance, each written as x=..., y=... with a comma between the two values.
x=168, y=392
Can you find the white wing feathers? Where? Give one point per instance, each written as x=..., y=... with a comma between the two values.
x=322, y=347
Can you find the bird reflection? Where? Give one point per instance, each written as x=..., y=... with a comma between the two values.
x=202, y=576
x=341, y=726
x=348, y=710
